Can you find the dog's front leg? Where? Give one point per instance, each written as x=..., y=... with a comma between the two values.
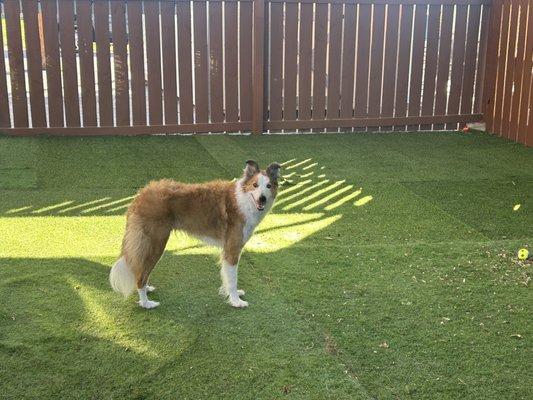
x=228, y=273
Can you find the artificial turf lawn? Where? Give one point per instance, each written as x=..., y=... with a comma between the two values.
x=387, y=269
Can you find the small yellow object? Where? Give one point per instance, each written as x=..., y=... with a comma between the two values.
x=523, y=254
x=516, y=207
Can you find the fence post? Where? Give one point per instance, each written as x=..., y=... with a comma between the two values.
x=258, y=66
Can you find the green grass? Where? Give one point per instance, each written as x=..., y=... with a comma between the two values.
x=387, y=270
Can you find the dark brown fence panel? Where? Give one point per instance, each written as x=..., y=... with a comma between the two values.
x=319, y=64
x=417, y=62
x=34, y=62
x=168, y=42
x=153, y=58
x=137, y=60
x=5, y=119
x=306, y=61
x=430, y=71
x=245, y=61
x=348, y=60
x=390, y=60
x=216, y=62
x=84, y=19
x=201, y=69
x=376, y=61
x=291, y=61
x=404, y=50
x=275, y=61
x=184, y=62
x=175, y=66
x=363, y=54
x=508, y=104
x=105, y=92
x=16, y=63
x=231, y=61
x=120, y=51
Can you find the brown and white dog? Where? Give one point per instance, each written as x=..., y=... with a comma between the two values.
x=221, y=213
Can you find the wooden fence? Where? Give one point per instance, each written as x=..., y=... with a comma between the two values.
x=509, y=84
x=176, y=66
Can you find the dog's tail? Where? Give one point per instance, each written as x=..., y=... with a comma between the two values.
x=122, y=278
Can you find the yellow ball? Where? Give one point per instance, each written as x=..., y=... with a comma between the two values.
x=523, y=254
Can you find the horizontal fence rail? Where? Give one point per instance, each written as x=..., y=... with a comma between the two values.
x=98, y=67
x=509, y=84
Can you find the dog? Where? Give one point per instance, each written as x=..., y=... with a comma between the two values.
x=220, y=213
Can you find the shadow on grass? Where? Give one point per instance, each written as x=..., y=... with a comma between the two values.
x=64, y=333
x=305, y=187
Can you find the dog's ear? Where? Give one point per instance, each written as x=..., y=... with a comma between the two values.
x=251, y=168
x=272, y=171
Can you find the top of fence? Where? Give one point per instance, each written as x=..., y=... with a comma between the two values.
x=390, y=2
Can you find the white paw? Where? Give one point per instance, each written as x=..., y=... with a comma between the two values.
x=238, y=303
x=148, y=304
x=150, y=289
x=241, y=292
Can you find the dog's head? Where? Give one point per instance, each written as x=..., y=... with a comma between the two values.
x=261, y=185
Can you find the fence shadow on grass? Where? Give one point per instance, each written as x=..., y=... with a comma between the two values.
x=305, y=187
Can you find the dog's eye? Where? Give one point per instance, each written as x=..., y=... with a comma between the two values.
x=256, y=185
x=269, y=186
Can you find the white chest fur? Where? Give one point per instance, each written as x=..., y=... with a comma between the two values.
x=247, y=207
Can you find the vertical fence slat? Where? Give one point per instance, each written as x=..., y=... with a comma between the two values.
x=404, y=49
x=348, y=61
x=445, y=46
x=363, y=55
x=120, y=58
x=153, y=58
x=231, y=67
x=245, y=60
x=68, y=62
x=417, y=63
x=291, y=53
x=481, y=67
x=105, y=93
x=489, y=84
x=34, y=62
x=458, y=57
x=258, y=71
x=430, y=71
x=86, y=32
x=305, y=61
x=376, y=61
x=184, y=62
x=200, y=61
x=266, y=56
x=500, y=77
x=517, y=76
x=276, y=61
x=168, y=34
x=509, y=72
x=390, y=60
x=526, y=102
x=216, y=62
x=5, y=120
x=319, y=71
x=467, y=90
x=136, y=45
x=334, y=61
x=16, y=63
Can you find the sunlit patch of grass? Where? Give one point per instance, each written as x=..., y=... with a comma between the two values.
x=100, y=323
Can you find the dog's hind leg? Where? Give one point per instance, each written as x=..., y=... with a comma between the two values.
x=143, y=246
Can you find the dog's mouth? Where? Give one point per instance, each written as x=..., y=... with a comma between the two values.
x=260, y=205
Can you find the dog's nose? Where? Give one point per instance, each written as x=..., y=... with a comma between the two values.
x=262, y=199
